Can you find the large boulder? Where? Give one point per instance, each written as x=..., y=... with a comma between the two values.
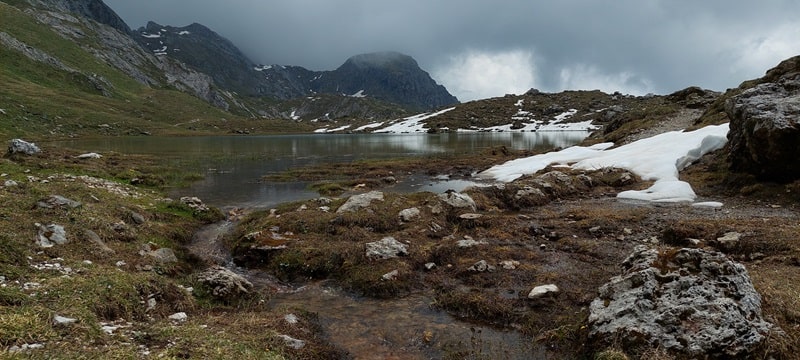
x=690, y=302
x=19, y=146
x=765, y=129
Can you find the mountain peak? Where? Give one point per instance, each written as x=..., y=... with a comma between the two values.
x=382, y=59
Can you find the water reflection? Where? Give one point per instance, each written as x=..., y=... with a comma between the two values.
x=234, y=165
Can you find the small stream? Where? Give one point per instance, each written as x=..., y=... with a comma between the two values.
x=403, y=328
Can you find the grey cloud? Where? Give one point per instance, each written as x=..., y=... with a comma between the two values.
x=670, y=43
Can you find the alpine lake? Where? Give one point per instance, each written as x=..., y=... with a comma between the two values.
x=233, y=169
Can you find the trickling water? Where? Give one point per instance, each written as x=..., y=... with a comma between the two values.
x=402, y=328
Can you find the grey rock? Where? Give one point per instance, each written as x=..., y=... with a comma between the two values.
x=392, y=275
x=469, y=242
x=10, y=183
x=482, y=266
x=408, y=215
x=179, y=317
x=458, y=200
x=386, y=248
x=692, y=303
x=137, y=218
x=291, y=342
x=19, y=146
x=194, y=203
x=430, y=266
x=50, y=235
x=92, y=237
x=58, y=201
x=509, y=264
x=361, y=201
x=728, y=240
x=163, y=255
x=765, y=130
x=225, y=284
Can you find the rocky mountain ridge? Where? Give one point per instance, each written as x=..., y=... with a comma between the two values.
x=386, y=76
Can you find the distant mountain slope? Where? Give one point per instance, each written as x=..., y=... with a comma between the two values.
x=96, y=10
x=388, y=76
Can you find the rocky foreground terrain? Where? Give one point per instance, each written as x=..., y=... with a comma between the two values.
x=97, y=263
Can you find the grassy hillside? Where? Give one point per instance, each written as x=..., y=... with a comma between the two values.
x=86, y=96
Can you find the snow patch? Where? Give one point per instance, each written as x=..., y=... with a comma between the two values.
x=519, y=103
x=658, y=158
x=151, y=36
x=262, y=67
x=359, y=94
x=565, y=115
x=326, y=130
x=369, y=126
x=412, y=123
x=294, y=116
x=184, y=32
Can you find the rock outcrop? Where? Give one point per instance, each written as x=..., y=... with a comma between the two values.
x=19, y=146
x=765, y=126
x=225, y=284
x=690, y=302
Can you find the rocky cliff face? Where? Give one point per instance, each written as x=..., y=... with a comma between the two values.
x=96, y=10
x=765, y=125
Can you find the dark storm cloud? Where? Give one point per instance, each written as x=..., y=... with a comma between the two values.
x=509, y=45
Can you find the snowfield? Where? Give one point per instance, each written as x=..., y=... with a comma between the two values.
x=411, y=124
x=658, y=158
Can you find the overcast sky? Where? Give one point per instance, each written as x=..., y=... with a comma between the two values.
x=480, y=49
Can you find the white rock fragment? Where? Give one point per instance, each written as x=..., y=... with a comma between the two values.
x=179, y=317
x=543, y=290
x=91, y=155
x=291, y=319
x=293, y=343
x=392, y=275
x=61, y=320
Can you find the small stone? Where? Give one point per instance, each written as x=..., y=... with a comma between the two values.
x=458, y=200
x=542, y=246
x=430, y=266
x=291, y=319
x=292, y=342
x=409, y=215
x=386, y=248
x=543, y=290
x=595, y=230
x=120, y=263
x=392, y=275
x=10, y=183
x=729, y=240
x=482, y=266
x=179, y=317
x=509, y=264
x=137, y=218
x=151, y=304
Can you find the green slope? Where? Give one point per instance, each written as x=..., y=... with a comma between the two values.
x=40, y=100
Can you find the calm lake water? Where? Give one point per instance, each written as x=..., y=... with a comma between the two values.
x=234, y=165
